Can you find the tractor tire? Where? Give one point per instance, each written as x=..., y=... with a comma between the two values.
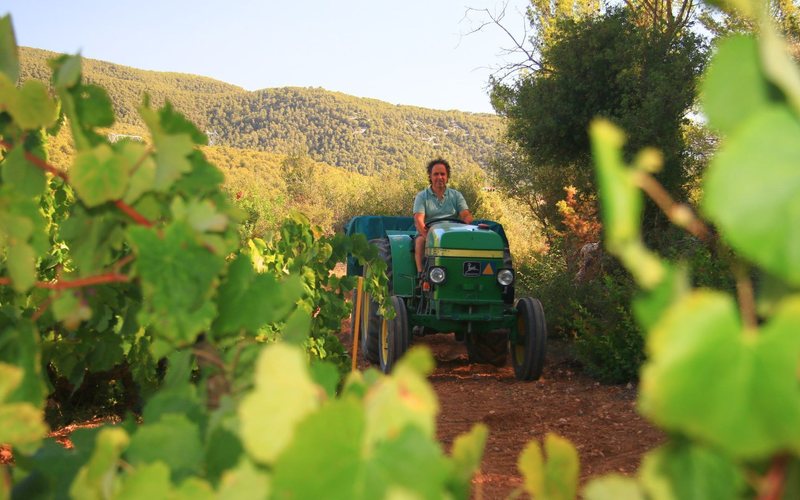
x=528, y=352
x=393, y=336
x=368, y=327
x=385, y=253
x=489, y=348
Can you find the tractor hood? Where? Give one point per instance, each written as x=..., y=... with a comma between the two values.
x=454, y=235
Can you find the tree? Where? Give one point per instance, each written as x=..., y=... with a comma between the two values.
x=609, y=66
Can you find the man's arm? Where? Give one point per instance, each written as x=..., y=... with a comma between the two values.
x=466, y=216
x=419, y=223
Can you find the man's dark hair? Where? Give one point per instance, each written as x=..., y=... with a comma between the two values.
x=435, y=162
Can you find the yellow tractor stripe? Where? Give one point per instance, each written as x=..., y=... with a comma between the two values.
x=469, y=254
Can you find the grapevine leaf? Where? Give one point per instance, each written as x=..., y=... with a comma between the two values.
x=34, y=109
x=98, y=478
x=98, y=175
x=69, y=310
x=107, y=351
x=173, y=440
x=143, y=177
x=245, y=481
x=94, y=107
x=328, y=442
x=283, y=396
x=21, y=424
x=181, y=400
x=621, y=203
x=405, y=398
x=466, y=455
x=177, y=276
x=736, y=59
x=205, y=178
x=202, y=215
x=146, y=481
x=21, y=261
x=748, y=403
x=779, y=64
x=193, y=488
x=66, y=71
x=171, y=159
x=9, y=59
x=174, y=123
x=751, y=192
x=19, y=345
x=248, y=300
x=326, y=375
x=555, y=478
x=297, y=327
x=223, y=451
x=397, y=463
x=648, y=306
x=614, y=486
x=23, y=178
x=691, y=472
x=93, y=240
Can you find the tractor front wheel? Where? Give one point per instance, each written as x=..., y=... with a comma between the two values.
x=528, y=351
x=393, y=336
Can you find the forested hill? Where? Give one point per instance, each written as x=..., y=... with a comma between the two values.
x=357, y=134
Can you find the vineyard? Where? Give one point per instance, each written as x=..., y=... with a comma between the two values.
x=131, y=261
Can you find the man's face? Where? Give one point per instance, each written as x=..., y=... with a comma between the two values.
x=439, y=176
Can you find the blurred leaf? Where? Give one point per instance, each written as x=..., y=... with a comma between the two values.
x=34, y=109
x=149, y=481
x=466, y=454
x=748, y=403
x=688, y=471
x=21, y=424
x=94, y=107
x=245, y=481
x=736, y=59
x=19, y=345
x=613, y=487
x=173, y=440
x=21, y=262
x=69, y=310
x=326, y=375
x=284, y=395
x=553, y=479
x=23, y=177
x=171, y=159
x=99, y=176
x=66, y=71
x=648, y=306
x=297, y=327
x=328, y=442
x=751, y=191
x=9, y=60
x=98, y=478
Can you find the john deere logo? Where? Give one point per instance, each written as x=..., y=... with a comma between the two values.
x=472, y=268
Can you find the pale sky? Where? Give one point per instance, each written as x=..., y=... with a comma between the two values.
x=413, y=52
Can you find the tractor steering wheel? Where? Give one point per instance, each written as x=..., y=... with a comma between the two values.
x=444, y=219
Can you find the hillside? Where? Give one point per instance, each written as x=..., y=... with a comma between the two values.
x=362, y=135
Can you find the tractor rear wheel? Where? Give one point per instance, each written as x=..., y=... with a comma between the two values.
x=528, y=351
x=393, y=336
x=369, y=327
x=490, y=347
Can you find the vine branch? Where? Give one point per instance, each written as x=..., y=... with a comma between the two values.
x=100, y=279
x=679, y=214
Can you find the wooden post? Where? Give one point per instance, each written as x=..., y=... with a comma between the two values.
x=356, y=327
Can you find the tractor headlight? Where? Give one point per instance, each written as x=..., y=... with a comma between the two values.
x=505, y=277
x=437, y=275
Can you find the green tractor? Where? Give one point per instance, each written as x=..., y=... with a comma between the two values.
x=467, y=288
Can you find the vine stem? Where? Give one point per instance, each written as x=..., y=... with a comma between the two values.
x=43, y=165
x=680, y=214
x=78, y=283
x=775, y=479
x=746, y=297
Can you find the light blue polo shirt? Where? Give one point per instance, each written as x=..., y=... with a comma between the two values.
x=451, y=204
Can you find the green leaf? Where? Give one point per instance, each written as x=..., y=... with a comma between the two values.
x=171, y=159
x=21, y=424
x=94, y=107
x=146, y=481
x=326, y=375
x=9, y=59
x=34, y=109
x=402, y=399
x=247, y=300
x=22, y=177
x=143, y=177
x=98, y=175
x=94, y=240
x=648, y=306
x=409, y=461
x=178, y=277
x=195, y=489
x=736, y=58
x=688, y=471
x=467, y=453
x=66, y=71
x=98, y=478
x=19, y=345
x=747, y=404
x=245, y=481
x=173, y=440
x=297, y=327
x=21, y=261
x=284, y=395
x=203, y=216
x=554, y=479
x=329, y=442
x=69, y=310
x=613, y=487
x=751, y=191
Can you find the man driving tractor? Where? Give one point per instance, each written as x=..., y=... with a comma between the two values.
x=437, y=201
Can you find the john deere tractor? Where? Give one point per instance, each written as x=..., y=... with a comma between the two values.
x=467, y=288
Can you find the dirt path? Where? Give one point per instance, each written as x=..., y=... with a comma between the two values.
x=600, y=420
